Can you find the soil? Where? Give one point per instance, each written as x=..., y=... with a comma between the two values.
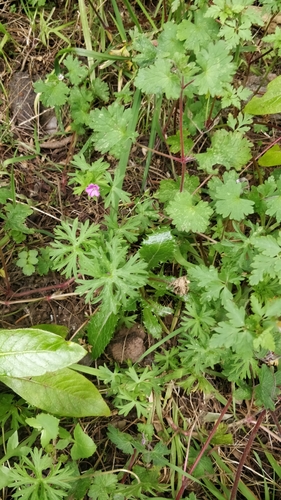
x=22, y=97
x=128, y=344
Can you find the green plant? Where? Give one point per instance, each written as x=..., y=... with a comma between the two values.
x=30, y=480
x=27, y=261
x=34, y=358
x=195, y=260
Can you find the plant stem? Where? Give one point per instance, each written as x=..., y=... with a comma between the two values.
x=245, y=454
x=185, y=480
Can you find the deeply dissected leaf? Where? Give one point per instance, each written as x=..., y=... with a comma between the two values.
x=188, y=216
x=100, y=330
x=208, y=278
x=28, y=352
x=118, y=278
x=16, y=216
x=71, y=242
x=64, y=392
x=267, y=262
x=122, y=440
x=76, y=71
x=269, y=103
x=103, y=486
x=158, y=247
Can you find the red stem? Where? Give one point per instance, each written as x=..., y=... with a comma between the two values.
x=59, y=286
x=245, y=454
x=183, y=162
x=185, y=479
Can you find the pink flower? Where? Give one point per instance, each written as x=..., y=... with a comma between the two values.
x=93, y=190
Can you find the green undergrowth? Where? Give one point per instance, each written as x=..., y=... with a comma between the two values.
x=196, y=261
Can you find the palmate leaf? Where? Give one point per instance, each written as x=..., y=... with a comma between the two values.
x=80, y=103
x=122, y=440
x=229, y=202
x=188, y=216
x=147, y=51
x=198, y=33
x=213, y=285
x=229, y=149
x=159, y=79
x=111, y=128
x=207, y=278
x=217, y=69
x=169, y=43
x=53, y=91
x=100, y=89
x=15, y=218
x=169, y=188
x=238, y=339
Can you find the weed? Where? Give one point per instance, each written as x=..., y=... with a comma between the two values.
x=195, y=260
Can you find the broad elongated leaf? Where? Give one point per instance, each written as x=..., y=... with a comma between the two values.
x=271, y=158
x=30, y=352
x=100, y=330
x=151, y=323
x=64, y=392
x=269, y=103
